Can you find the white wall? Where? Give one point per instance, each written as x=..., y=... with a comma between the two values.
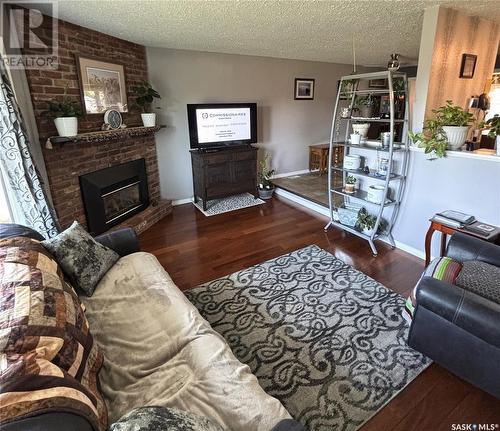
x=456, y=182
x=285, y=126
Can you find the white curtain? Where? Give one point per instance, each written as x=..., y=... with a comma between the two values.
x=21, y=177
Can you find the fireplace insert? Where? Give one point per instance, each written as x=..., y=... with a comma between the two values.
x=114, y=194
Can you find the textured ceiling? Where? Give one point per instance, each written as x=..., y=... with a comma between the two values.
x=307, y=30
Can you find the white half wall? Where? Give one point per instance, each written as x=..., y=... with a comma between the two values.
x=467, y=184
x=286, y=127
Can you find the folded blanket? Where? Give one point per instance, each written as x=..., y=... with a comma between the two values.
x=48, y=359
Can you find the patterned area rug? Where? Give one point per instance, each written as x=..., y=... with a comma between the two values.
x=231, y=203
x=325, y=339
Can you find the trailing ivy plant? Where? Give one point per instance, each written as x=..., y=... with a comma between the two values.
x=65, y=107
x=452, y=115
x=433, y=139
x=366, y=220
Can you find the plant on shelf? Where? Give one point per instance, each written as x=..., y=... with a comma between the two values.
x=366, y=221
x=493, y=127
x=145, y=94
x=448, y=130
x=65, y=113
x=266, y=187
x=350, y=183
x=365, y=106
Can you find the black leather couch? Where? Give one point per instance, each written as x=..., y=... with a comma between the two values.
x=458, y=329
x=123, y=241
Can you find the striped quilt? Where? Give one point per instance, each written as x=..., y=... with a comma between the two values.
x=48, y=359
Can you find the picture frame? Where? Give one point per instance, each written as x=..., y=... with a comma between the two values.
x=377, y=83
x=102, y=85
x=468, y=66
x=304, y=89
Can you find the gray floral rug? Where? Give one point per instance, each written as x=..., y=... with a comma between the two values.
x=231, y=203
x=325, y=339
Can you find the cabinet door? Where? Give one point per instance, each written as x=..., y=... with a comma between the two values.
x=217, y=174
x=244, y=170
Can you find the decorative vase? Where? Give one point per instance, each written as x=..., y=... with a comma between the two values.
x=265, y=193
x=366, y=111
x=456, y=136
x=66, y=126
x=361, y=129
x=350, y=188
x=148, y=120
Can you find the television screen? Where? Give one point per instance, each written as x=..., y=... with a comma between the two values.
x=220, y=124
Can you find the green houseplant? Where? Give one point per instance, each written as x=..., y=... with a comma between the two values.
x=448, y=130
x=366, y=221
x=145, y=94
x=365, y=106
x=454, y=122
x=493, y=125
x=266, y=187
x=65, y=113
x=350, y=184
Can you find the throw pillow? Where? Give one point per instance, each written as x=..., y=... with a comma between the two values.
x=442, y=268
x=152, y=418
x=82, y=259
x=481, y=278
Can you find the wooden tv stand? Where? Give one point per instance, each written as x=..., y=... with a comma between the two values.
x=224, y=172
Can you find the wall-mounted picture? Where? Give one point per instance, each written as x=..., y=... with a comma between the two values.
x=304, y=89
x=377, y=83
x=102, y=85
x=468, y=66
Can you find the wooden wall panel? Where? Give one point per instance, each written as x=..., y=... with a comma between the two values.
x=457, y=34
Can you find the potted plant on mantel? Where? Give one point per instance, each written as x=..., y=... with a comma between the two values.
x=145, y=94
x=493, y=125
x=448, y=130
x=266, y=187
x=65, y=113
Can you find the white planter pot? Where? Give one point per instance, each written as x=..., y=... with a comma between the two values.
x=497, y=145
x=456, y=136
x=148, y=120
x=66, y=126
x=361, y=128
x=375, y=194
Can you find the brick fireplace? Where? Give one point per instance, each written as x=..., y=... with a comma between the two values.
x=66, y=163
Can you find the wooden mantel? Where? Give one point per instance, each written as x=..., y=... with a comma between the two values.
x=103, y=135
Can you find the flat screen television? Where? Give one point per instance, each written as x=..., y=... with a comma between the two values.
x=222, y=124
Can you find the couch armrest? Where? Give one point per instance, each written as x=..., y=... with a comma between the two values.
x=464, y=247
x=122, y=241
x=473, y=313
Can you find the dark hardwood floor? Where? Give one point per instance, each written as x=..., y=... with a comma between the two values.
x=194, y=249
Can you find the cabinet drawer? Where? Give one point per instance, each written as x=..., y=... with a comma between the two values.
x=245, y=155
x=217, y=158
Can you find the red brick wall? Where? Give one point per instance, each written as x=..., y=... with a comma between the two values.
x=75, y=40
x=65, y=163
x=85, y=158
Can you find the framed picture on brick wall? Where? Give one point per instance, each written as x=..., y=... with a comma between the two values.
x=102, y=85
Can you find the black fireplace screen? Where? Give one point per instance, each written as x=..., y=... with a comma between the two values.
x=121, y=201
x=112, y=195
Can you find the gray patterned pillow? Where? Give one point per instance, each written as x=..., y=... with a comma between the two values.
x=82, y=259
x=153, y=418
x=481, y=278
